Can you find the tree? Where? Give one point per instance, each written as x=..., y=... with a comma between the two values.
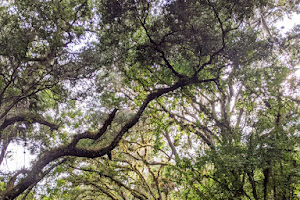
x=254, y=151
x=201, y=67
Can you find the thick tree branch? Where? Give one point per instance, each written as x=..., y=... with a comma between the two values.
x=167, y=136
x=28, y=117
x=93, y=136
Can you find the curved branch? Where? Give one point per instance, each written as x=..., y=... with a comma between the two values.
x=28, y=117
x=103, y=190
x=25, y=95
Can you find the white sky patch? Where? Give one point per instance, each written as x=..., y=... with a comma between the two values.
x=287, y=24
x=79, y=44
x=17, y=157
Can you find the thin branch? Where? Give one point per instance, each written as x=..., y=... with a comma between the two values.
x=103, y=190
x=223, y=42
x=155, y=46
x=134, y=192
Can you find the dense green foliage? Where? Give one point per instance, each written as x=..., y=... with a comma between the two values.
x=120, y=99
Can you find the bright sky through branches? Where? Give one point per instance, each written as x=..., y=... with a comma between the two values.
x=16, y=160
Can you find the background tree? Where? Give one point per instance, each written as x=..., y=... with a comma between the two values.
x=186, y=66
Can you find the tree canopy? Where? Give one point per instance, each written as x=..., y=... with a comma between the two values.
x=174, y=99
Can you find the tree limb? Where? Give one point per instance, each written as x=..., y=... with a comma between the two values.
x=28, y=117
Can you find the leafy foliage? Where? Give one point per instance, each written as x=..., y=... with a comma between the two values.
x=165, y=99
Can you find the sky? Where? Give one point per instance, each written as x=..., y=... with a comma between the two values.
x=289, y=23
